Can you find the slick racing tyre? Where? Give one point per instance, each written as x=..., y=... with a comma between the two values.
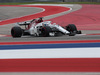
x=71, y=28
x=45, y=31
x=16, y=32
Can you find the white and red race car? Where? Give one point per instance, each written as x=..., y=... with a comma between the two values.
x=42, y=28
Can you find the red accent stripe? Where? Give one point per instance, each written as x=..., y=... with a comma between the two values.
x=87, y=18
x=50, y=10
x=50, y=65
x=49, y=42
x=94, y=34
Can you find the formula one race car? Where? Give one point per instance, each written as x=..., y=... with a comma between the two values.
x=44, y=29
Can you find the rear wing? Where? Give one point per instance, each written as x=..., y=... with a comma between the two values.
x=23, y=23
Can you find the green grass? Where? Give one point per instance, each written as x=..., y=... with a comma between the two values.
x=50, y=3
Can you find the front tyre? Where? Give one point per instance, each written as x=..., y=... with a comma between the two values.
x=71, y=28
x=16, y=32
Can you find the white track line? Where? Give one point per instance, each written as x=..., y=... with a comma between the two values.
x=54, y=4
x=51, y=53
x=2, y=35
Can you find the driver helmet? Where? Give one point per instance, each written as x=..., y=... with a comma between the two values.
x=40, y=19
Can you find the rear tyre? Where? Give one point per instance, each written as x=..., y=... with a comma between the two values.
x=45, y=31
x=16, y=32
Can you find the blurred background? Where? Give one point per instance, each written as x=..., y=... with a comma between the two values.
x=1, y=1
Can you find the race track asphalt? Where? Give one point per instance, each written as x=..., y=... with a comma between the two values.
x=10, y=12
